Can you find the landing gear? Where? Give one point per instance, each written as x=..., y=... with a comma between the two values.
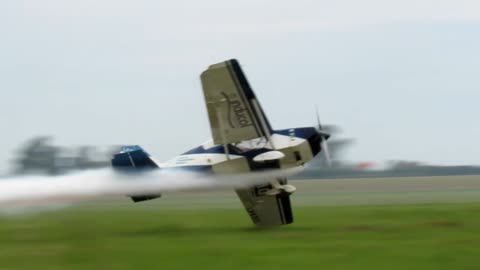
x=282, y=190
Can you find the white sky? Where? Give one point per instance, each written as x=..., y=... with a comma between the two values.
x=399, y=76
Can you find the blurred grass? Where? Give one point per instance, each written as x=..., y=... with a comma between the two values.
x=106, y=236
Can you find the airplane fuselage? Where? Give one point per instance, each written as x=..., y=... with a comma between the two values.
x=298, y=146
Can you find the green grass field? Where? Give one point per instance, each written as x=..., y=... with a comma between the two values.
x=166, y=235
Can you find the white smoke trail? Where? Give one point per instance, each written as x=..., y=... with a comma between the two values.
x=107, y=183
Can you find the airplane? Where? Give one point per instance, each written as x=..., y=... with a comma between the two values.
x=243, y=141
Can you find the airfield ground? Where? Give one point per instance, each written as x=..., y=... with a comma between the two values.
x=407, y=223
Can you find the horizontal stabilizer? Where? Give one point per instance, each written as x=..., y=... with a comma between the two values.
x=142, y=198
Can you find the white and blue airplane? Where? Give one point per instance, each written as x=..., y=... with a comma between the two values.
x=243, y=141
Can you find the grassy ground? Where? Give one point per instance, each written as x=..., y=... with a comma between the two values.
x=426, y=236
x=378, y=226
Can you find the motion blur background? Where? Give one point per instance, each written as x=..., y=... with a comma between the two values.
x=400, y=77
x=396, y=82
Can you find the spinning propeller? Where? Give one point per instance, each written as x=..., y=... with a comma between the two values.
x=324, y=135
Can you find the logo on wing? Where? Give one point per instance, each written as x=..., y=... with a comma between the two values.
x=237, y=113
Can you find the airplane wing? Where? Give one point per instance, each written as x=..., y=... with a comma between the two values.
x=232, y=105
x=266, y=209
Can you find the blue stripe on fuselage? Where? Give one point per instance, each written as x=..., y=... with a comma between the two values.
x=217, y=149
x=304, y=133
x=308, y=133
x=191, y=168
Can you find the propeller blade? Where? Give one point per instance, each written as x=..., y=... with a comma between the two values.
x=324, y=136
x=318, y=118
x=326, y=152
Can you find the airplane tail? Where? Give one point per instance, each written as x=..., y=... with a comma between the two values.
x=132, y=158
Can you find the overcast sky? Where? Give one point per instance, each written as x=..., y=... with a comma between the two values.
x=401, y=77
